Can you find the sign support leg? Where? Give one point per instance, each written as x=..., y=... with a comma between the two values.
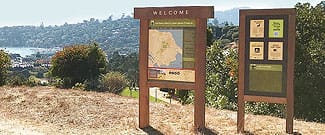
x=241, y=114
x=199, y=93
x=143, y=78
x=144, y=107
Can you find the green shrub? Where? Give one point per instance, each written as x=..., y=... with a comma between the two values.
x=185, y=96
x=79, y=86
x=113, y=82
x=57, y=82
x=266, y=108
x=92, y=84
x=17, y=80
x=33, y=81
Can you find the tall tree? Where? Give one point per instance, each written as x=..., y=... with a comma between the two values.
x=310, y=62
x=125, y=64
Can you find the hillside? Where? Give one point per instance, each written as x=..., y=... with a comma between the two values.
x=47, y=110
x=113, y=35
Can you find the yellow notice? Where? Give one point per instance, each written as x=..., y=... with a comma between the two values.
x=275, y=51
x=256, y=50
x=257, y=28
x=276, y=28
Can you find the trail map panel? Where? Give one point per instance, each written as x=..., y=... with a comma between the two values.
x=171, y=50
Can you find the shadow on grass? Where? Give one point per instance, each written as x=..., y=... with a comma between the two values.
x=296, y=133
x=207, y=131
x=151, y=131
x=248, y=133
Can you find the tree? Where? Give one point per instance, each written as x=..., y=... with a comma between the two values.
x=310, y=62
x=4, y=65
x=127, y=65
x=78, y=63
x=209, y=36
x=221, y=76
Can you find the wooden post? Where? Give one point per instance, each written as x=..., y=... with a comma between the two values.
x=290, y=71
x=241, y=102
x=200, y=62
x=143, y=64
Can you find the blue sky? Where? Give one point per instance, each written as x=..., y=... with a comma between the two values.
x=57, y=12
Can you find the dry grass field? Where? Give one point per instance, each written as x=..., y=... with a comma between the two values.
x=47, y=110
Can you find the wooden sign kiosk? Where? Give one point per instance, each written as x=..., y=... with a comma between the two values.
x=172, y=54
x=266, y=60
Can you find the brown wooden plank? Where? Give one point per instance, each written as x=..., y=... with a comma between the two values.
x=200, y=62
x=290, y=72
x=143, y=64
x=280, y=11
x=241, y=73
x=174, y=12
x=278, y=100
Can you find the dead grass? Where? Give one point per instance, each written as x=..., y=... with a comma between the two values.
x=56, y=111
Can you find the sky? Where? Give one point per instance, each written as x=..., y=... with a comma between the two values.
x=57, y=12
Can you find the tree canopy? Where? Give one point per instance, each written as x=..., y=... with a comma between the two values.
x=310, y=62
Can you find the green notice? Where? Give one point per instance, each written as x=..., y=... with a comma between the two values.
x=265, y=78
x=276, y=28
x=189, y=48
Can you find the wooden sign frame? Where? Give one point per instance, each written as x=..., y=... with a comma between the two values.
x=200, y=15
x=286, y=96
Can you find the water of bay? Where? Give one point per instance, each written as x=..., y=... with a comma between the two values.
x=25, y=51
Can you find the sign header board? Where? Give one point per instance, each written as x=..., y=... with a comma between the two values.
x=174, y=12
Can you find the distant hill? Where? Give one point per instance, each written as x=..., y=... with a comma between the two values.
x=230, y=16
x=113, y=35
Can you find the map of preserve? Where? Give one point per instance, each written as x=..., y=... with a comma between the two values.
x=165, y=48
x=166, y=55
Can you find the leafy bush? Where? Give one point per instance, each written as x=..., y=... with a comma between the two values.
x=33, y=81
x=185, y=96
x=79, y=86
x=17, y=80
x=4, y=65
x=113, y=82
x=57, y=82
x=278, y=110
x=78, y=63
x=92, y=84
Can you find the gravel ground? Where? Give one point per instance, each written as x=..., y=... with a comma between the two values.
x=48, y=110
